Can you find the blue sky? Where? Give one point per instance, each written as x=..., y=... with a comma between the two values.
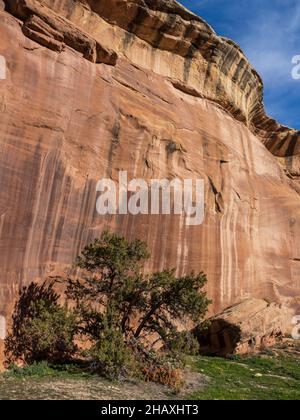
x=269, y=33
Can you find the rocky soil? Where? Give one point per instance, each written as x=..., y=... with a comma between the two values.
x=92, y=389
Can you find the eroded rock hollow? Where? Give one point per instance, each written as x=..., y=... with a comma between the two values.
x=93, y=87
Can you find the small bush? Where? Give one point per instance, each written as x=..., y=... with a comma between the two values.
x=157, y=366
x=42, y=330
x=110, y=356
x=164, y=374
x=77, y=369
x=183, y=344
x=40, y=369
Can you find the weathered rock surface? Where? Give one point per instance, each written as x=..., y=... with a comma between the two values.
x=47, y=28
x=244, y=328
x=94, y=87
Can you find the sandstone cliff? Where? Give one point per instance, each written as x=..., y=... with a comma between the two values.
x=98, y=86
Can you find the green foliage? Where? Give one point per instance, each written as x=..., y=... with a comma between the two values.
x=42, y=329
x=168, y=300
x=40, y=370
x=115, y=290
x=113, y=255
x=183, y=344
x=110, y=355
x=44, y=369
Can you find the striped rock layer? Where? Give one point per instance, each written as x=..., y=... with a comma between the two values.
x=93, y=87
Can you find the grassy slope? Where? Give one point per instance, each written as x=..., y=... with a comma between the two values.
x=250, y=378
x=271, y=377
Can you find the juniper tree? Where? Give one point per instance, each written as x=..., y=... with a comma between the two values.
x=114, y=291
x=42, y=329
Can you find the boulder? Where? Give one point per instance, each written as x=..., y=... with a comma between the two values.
x=245, y=328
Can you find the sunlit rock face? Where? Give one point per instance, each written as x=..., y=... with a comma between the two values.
x=95, y=87
x=247, y=327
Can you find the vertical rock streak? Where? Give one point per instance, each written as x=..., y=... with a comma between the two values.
x=94, y=87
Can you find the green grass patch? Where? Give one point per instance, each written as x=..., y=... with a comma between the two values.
x=249, y=378
x=43, y=370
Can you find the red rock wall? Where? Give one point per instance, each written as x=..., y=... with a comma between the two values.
x=68, y=120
